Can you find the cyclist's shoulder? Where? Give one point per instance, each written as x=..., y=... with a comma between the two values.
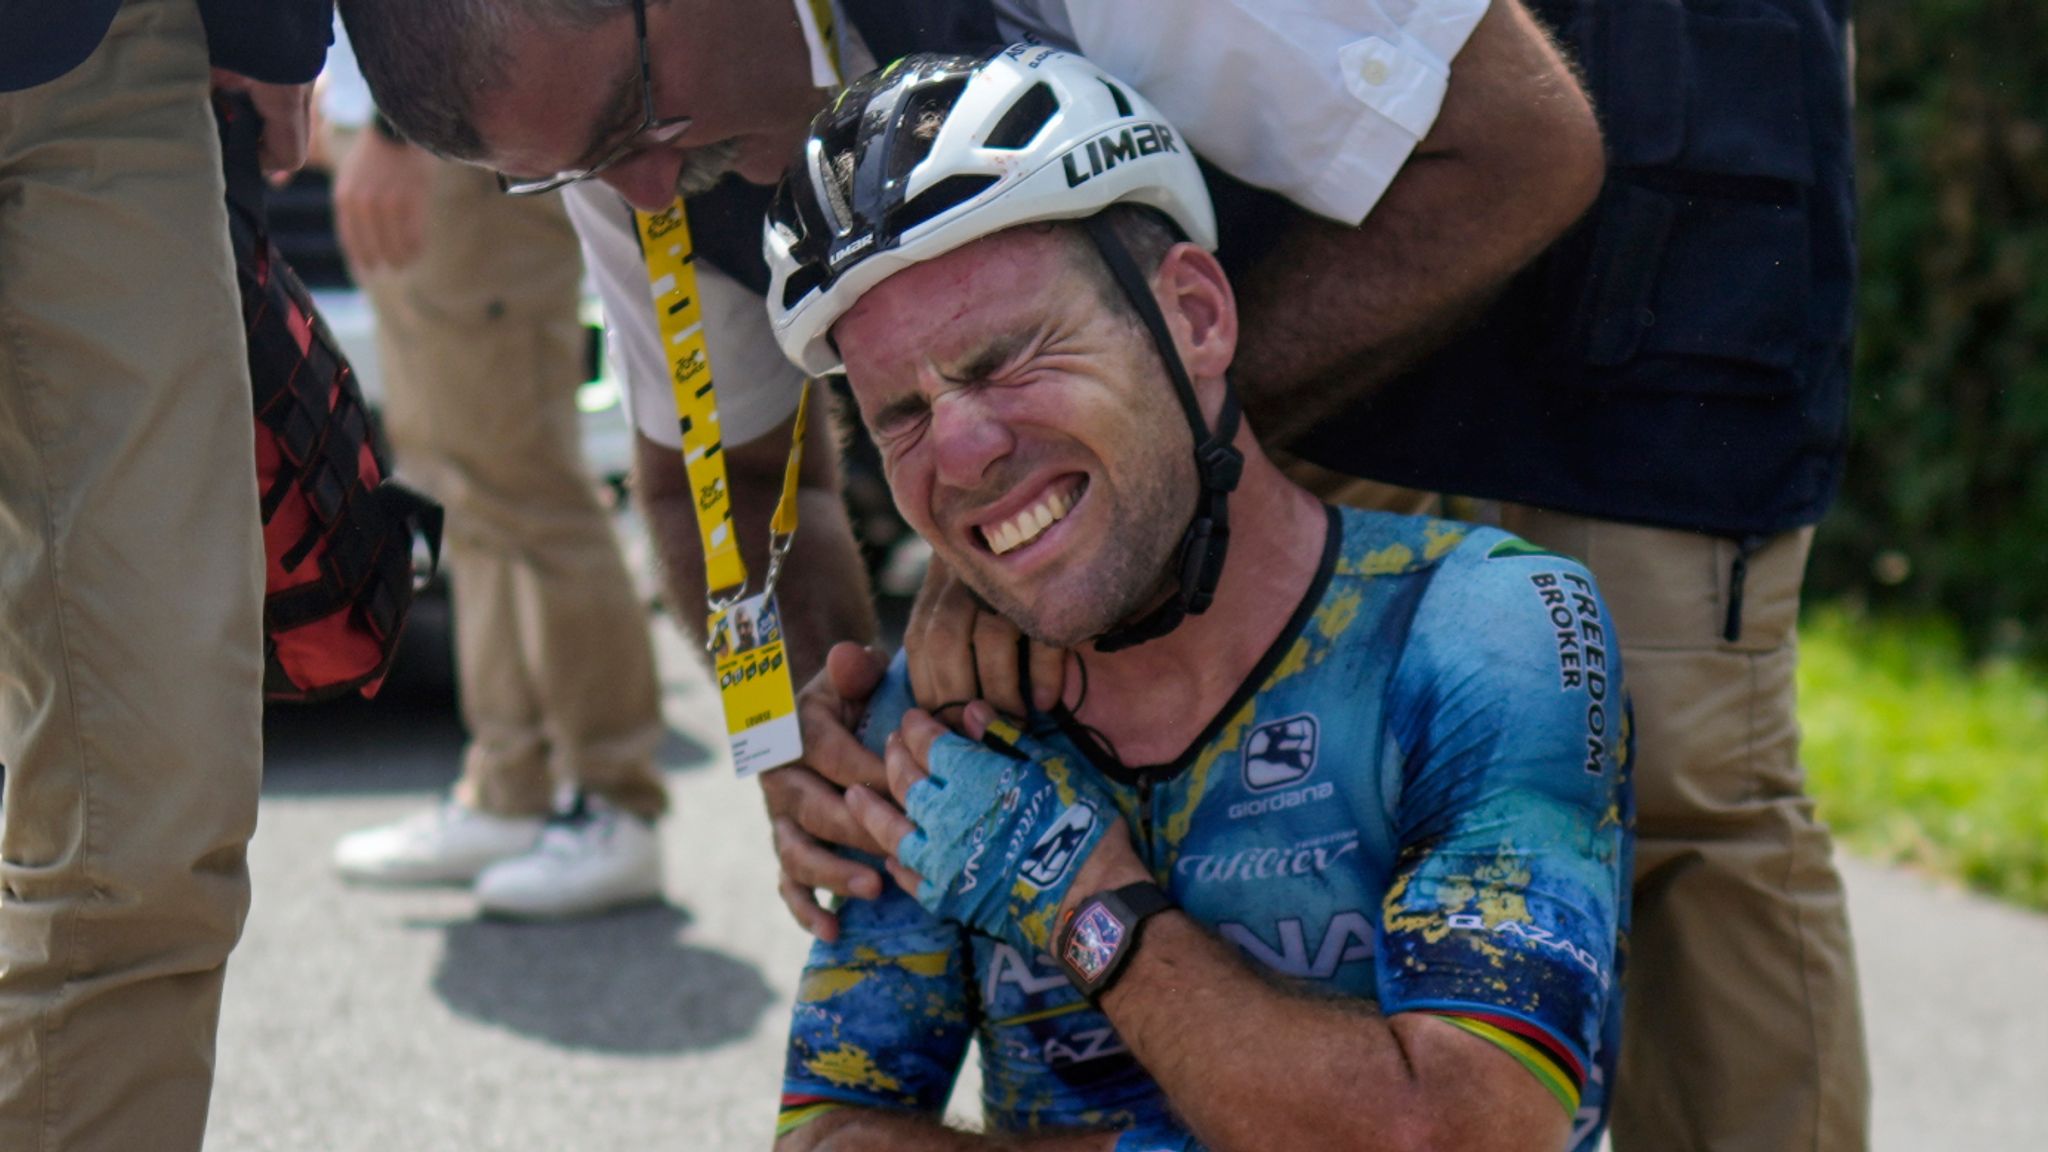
x=1457, y=559
x=1381, y=544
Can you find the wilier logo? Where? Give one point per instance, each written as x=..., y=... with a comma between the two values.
x=1280, y=753
x=1050, y=858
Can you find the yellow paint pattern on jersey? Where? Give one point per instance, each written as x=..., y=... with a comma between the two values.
x=1430, y=925
x=924, y=963
x=823, y=984
x=1503, y=888
x=1227, y=742
x=1291, y=665
x=1392, y=560
x=1334, y=617
x=850, y=1066
x=1440, y=536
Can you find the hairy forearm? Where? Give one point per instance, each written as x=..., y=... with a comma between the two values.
x=823, y=589
x=1294, y=1062
x=871, y=1130
x=1334, y=310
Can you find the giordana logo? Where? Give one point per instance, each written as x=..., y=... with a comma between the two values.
x=1054, y=853
x=1280, y=753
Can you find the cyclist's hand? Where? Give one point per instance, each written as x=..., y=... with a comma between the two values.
x=806, y=806
x=380, y=202
x=990, y=835
x=958, y=651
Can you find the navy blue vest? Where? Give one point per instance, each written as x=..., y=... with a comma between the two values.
x=1682, y=357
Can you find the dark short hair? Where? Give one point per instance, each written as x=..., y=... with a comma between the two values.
x=426, y=60
x=1147, y=234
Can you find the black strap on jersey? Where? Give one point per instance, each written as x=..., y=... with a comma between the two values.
x=1218, y=462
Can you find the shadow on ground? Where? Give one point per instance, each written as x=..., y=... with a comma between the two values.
x=625, y=983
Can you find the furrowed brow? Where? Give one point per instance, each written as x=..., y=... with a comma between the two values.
x=980, y=364
x=990, y=358
x=907, y=406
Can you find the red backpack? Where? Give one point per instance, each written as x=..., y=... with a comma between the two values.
x=337, y=531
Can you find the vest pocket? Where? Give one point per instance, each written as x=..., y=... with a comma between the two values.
x=1697, y=261
x=1714, y=87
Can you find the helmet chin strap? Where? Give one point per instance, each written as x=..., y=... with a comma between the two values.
x=1203, y=546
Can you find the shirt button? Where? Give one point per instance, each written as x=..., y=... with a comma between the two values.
x=1374, y=72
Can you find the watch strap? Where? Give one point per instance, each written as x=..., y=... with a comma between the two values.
x=1096, y=943
x=1141, y=900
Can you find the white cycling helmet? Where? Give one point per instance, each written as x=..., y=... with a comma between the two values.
x=937, y=150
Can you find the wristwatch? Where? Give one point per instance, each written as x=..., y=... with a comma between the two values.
x=1097, y=940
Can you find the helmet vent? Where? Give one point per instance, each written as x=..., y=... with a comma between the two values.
x=837, y=160
x=802, y=280
x=924, y=113
x=948, y=193
x=1123, y=102
x=1025, y=119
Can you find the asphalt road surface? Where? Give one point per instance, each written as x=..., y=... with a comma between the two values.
x=380, y=1021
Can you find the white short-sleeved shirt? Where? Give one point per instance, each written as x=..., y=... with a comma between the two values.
x=1321, y=101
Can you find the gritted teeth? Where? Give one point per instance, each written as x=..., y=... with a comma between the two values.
x=1027, y=525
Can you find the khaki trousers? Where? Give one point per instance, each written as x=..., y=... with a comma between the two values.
x=481, y=353
x=1744, y=1031
x=131, y=579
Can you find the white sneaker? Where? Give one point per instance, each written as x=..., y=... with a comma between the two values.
x=594, y=858
x=452, y=844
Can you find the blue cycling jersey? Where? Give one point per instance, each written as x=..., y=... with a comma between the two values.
x=1419, y=798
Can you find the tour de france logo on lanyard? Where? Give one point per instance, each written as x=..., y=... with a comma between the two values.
x=745, y=636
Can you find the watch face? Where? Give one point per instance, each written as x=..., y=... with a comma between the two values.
x=1096, y=936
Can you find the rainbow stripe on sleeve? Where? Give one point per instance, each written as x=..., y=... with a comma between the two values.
x=799, y=1110
x=1533, y=1048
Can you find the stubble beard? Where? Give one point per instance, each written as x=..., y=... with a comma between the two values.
x=1132, y=569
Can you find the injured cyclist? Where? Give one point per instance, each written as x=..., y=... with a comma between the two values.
x=1326, y=844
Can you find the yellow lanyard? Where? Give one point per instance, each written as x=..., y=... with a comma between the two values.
x=678, y=310
x=821, y=34
x=744, y=634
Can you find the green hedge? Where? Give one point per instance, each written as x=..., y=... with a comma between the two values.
x=1945, y=506
x=1917, y=754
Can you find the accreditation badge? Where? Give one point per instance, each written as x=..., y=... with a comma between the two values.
x=750, y=657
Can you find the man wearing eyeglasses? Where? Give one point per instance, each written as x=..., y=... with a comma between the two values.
x=1660, y=394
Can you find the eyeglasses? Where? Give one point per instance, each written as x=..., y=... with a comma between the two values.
x=653, y=131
